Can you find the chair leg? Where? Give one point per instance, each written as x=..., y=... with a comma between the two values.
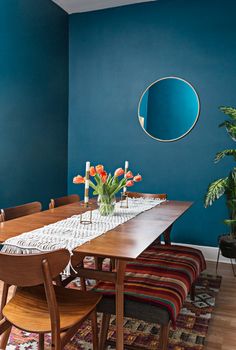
x=4, y=298
x=232, y=264
x=192, y=292
x=56, y=341
x=104, y=331
x=4, y=338
x=41, y=341
x=112, y=264
x=82, y=284
x=98, y=262
x=93, y=318
x=58, y=280
x=164, y=336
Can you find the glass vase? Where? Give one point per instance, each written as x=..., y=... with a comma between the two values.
x=106, y=205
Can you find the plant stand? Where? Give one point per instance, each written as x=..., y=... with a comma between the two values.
x=227, y=248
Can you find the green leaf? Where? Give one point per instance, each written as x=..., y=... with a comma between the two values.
x=230, y=111
x=109, y=179
x=230, y=128
x=227, y=123
x=97, y=179
x=227, y=152
x=229, y=222
x=232, y=131
x=115, y=180
x=91, y=184
x=215, y=190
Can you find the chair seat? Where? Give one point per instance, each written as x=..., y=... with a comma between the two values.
x=162, y=276
x=28, y=309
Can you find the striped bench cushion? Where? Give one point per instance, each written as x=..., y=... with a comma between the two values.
x=161, y=276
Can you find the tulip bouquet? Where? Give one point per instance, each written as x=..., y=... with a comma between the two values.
x=107, y=185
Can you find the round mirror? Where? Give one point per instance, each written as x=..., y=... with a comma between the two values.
x=168, y=109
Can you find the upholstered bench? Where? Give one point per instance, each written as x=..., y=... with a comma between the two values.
x=155, y=287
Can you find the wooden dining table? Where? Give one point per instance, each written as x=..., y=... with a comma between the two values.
x=124, y=243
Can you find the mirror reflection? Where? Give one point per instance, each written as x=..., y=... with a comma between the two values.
x=169, y=109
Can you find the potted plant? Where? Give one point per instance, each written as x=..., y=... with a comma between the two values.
x=226, y=186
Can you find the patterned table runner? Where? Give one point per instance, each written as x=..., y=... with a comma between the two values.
x=71, y=233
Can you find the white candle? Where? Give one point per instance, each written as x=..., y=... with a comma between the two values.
x=87, y=166
x=86, y=187
x=126, y=170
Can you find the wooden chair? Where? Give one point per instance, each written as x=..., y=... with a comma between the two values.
x=20, y=210
x=146, y=195
x=58, y=202
x=38, y=305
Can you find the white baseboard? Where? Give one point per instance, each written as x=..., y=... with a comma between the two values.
x=210, y=253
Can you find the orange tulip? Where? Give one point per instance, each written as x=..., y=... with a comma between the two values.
x=92, y=171
x=138, y=178
x=103, y=175
x=129, y=183
x=99, y=168
x=119, y=172
x=129, y=175
x=78, y=180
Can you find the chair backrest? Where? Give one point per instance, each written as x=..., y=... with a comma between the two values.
x=20, y=210
x=27, y=270
x=58, y=202
x=146, y=195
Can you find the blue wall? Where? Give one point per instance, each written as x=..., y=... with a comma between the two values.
x=33, y=101
x=114, y=55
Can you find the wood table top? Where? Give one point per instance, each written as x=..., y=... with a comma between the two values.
x=31, y=222
x=130, y=239
x=126, y=241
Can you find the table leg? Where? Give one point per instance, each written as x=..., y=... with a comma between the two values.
x=166, y=235
x=120, y=267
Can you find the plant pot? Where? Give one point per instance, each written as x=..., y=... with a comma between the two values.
x=227, y=246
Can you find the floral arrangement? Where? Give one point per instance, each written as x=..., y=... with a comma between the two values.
x=107, y=185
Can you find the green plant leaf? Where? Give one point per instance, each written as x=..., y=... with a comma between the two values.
x=227, y=123
x=231, y=184
x=91, y=184
x=115, y=180
x=215, y=190
x=230, y=111
x=227, y=152
x=230, y=128
x=97, y=179
x=229, y=222
x=109, y=179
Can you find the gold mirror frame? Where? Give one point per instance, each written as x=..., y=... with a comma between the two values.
x=141, y=119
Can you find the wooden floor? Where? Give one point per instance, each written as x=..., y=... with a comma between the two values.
x=222, y=331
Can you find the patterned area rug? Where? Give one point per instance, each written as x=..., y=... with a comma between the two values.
x=190, y=332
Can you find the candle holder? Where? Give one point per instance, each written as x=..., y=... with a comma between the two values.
x=124, y=203
x=86, y=222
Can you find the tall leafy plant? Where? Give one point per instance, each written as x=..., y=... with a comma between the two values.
x=226, y=186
